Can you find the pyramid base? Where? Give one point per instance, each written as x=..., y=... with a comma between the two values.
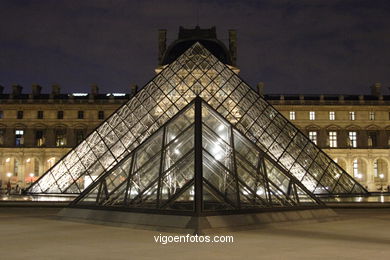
x=193, y=224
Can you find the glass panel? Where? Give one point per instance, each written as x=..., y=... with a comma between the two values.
x=248, y=150
x=216, y=124
x=179, y=147
x=216, y=147
x=220, y=178
x=148, y=150
x=179, y=124
x=177, y=177
x=213, y=201
x=277, y=176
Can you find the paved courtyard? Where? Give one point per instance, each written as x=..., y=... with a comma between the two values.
x=30, y=233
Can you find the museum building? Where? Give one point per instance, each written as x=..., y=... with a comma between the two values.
x=37, y=129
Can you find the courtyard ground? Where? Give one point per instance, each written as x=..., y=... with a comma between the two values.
x=36, y=233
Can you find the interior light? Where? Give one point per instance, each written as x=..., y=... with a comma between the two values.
x=8, y=159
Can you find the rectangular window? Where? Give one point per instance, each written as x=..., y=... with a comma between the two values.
x=1, y=114
x=372, y=115
x=292, y=115
x=40, y=115
x=39, y=138
x=2, y=133
x=352, y=115
x=333, y=139
x=332, y=115
x=60, y=114
x=19, y=115
x=101, y=115
x=372, y=139
x=60, y=135
x=19, y=140
x=79, y=135
x=80, y=115
x=352, y=139
x=312, y=115
x=313, y=136
x=356, y=169
x=376, y=168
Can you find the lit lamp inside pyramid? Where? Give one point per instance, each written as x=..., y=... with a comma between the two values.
x=196, y=141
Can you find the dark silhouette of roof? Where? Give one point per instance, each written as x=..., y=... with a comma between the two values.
x=206, y=37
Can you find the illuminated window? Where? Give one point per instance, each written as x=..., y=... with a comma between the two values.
x=372, y=115
x=332, y=115
x=51, y=162
x=39, y=138
x=19, y=140
x=376, y=168
x=372, y=139
x=79, y=135
x=356, y=169
x=352, y=139
x=313, y=136
x=352, y=115
x=332, y=139
x=292, y=115
x=312, y=115
x=60, y=135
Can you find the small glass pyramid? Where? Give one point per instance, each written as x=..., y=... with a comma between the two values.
x=197, y=73
x=197, y=162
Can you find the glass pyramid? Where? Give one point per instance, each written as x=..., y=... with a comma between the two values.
x=196, y=73
x=197, y=162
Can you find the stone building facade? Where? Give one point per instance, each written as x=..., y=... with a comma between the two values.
x=36, y=129
x=353, y=129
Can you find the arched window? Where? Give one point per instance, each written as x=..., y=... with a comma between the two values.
x=359, y=170
x=380, y=173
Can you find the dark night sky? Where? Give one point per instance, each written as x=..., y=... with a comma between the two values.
x=307, y=46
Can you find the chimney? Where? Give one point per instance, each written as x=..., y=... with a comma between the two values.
x=55, y=89
x=36, y=90
x=162, y=44
x=376, y=89
x=16, y=90
x=260, y=88
x=233, y=46
x=94, y=90
x=133, y=89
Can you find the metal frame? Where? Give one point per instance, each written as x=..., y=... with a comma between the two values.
x=224, y=91
x=198, y=180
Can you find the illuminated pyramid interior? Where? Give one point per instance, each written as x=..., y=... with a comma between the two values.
x=145, y=154
x=197, y=162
